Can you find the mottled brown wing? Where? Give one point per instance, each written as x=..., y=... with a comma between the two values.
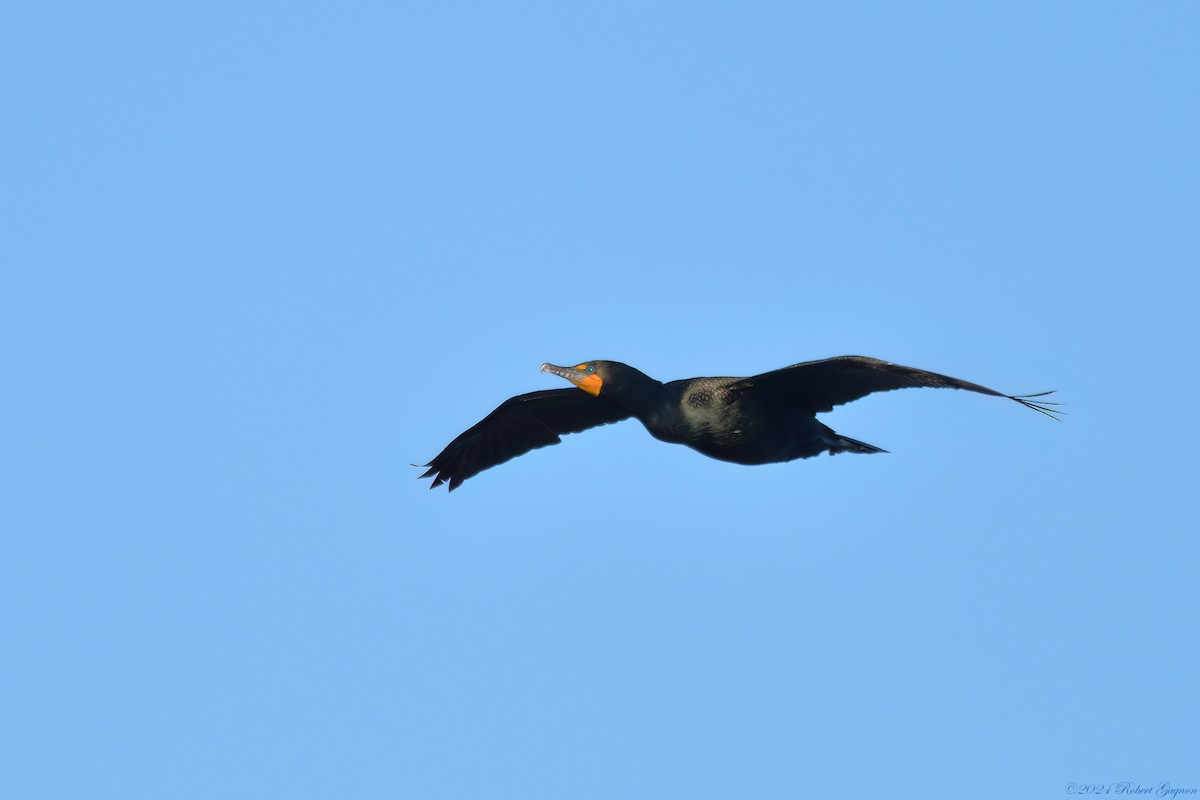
x=520, y=424
x=818, y=386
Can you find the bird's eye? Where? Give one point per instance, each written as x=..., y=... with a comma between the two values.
x=590, y=369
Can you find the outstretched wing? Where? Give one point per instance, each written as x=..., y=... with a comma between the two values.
x=520, y=424
x=818, y=386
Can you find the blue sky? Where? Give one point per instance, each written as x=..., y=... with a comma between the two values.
x=257, y=259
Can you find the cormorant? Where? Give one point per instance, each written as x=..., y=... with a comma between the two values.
x=762, y=419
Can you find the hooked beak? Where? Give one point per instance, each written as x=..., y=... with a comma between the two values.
x=589, y=383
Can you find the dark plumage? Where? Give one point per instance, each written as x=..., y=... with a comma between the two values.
x=762, y=419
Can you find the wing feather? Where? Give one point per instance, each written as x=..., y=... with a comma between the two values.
x=518, y=425
x=818, y=386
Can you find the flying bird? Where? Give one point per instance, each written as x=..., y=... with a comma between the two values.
x=763, y=419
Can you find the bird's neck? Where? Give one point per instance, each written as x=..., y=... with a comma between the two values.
x=642, y=396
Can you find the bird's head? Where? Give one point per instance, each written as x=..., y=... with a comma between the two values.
x=594, y=377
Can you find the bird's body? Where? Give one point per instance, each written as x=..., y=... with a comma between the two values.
x=763, y=419
x=709, y=416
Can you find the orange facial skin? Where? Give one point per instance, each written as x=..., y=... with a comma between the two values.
x=590, y=382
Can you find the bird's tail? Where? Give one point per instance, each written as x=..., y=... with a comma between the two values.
x=845, y=444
